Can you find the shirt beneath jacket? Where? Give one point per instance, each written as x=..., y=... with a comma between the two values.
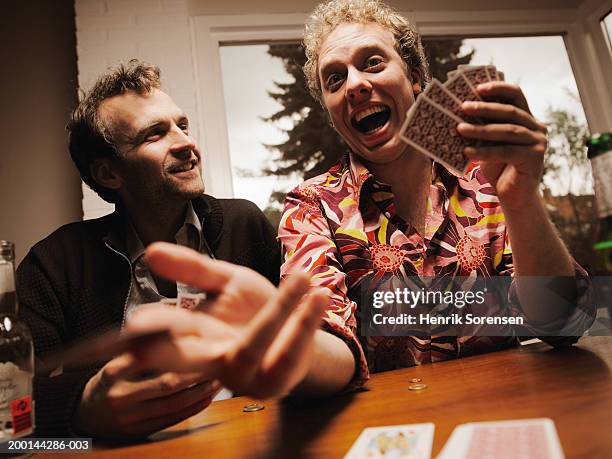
x=143, y=288
x=342, y=228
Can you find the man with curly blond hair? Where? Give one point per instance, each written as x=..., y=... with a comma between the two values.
x=386, y=213
x=327, y=16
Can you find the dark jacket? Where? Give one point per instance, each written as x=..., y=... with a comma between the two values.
x=74, y=284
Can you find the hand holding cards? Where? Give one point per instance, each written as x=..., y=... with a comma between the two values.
x=431, y=123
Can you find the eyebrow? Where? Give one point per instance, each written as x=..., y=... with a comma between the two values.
x=140, y=134
x=358, y=54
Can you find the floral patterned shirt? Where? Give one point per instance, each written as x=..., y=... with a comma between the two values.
x=342, y=228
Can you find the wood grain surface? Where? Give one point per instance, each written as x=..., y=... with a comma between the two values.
x=572, y=386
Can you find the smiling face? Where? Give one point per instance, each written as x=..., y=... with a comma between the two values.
x=366, y=90
x=158, y=161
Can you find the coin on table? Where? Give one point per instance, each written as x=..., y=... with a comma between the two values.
x=251, y=407
x=415, y=380
x=417, y=386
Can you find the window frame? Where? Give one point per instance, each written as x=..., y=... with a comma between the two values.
x=580, y=28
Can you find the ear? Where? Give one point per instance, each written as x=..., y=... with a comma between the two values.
x=103, y=172
x=416, y=78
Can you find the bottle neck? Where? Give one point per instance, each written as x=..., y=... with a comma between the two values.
x=606, y=228
x=8, y=297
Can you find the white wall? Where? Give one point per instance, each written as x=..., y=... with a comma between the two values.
x=157, y=31
x=39, y=186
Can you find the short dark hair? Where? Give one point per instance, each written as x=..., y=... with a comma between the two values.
x=90, y=137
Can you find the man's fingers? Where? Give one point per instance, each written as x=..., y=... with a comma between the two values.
x=265, y=326
x=506, y=113
x=293, y=344
x=121, y=367
x=146, y=427
x=511, y=93
x=196, y=340
x=171, y=403
x=185, y=265
x=510, y=154
x=503, y=133
x=160, y=386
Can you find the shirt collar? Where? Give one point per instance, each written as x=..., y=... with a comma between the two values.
x=135, y=248
x=360, y=175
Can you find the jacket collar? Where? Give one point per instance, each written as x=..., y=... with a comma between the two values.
x=207, y=208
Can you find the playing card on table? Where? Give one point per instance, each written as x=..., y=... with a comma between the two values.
x=433, y=131
x=519, y=439
x=409, y=441
x=461, y=88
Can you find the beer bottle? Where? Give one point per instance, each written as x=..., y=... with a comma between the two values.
x=600, y=153
x=16, y=356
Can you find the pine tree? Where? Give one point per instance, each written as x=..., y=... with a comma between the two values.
x=312, y=145
x=445, y=55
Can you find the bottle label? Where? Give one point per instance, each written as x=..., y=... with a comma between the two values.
x=7, y=278
x=602, y=182
x=16, y=413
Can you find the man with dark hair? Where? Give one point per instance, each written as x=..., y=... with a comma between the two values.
x=131, y=144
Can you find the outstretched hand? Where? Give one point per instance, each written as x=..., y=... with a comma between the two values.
x=254, y=338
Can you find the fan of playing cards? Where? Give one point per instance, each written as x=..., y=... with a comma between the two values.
x=431, y=123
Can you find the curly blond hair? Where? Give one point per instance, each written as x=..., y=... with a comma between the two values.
x=327, y=16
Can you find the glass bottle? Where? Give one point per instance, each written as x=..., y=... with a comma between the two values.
x=16, y=356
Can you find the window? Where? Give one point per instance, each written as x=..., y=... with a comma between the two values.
x=270, y=154
x=252, y=135
x=606, y=24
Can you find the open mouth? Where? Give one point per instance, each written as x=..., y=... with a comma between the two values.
x=372, y=119
x=182, y=167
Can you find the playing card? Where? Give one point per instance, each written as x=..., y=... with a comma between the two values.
x=436, y=92
x=518, y=439
x=492, y=72
x=433, y=131
x=410, y=441
x=190, y=300
x=443, y=97
x=461, y=88
x=476, y=74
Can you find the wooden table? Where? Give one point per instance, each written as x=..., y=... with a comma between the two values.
x=572, y=386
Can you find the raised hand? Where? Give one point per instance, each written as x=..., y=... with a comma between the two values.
x=513, y=164
x=255, y=339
